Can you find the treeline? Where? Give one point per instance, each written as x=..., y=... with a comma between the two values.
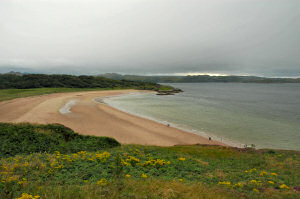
x=12, y=81
x=200, y=78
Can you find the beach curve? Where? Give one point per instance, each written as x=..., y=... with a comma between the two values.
x=91, y=118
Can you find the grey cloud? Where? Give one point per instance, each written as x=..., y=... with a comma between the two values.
x=259, y=37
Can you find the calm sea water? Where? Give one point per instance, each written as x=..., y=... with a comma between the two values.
x=267, y=115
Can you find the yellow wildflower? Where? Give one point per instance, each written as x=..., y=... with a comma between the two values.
x=274, y=174
x=28, y=196
x=157, y=162
x=144, y=176
x=102, y=182
x=24, y=180
x=283, y=186
x=103, y=156
x=263, y=173
x=127, y=175
x=271, y=182
x=180, y=180
x=225, y=183
x=239, y=184
x=181, y=159
x=255, y=190
x=253, y=170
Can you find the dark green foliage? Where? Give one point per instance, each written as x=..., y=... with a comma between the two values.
x=27, y=138
x=8, y=81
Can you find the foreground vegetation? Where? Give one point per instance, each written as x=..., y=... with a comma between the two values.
x=26, y=139
x=135, y=171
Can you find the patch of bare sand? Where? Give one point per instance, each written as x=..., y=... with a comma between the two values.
x=91, y=118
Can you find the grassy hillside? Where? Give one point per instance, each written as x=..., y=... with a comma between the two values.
x=26, y=139
x=135, y=171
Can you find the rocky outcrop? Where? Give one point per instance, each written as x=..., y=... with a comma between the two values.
x=169, y=92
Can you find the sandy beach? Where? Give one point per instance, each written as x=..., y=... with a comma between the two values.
x=79, y=111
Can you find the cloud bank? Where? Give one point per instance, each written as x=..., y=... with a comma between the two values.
x=255, y=37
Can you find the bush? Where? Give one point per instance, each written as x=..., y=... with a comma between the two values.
x=27, y=138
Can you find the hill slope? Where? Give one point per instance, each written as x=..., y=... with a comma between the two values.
x=135, y=171
x=27, y=138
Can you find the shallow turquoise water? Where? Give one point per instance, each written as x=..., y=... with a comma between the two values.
x=267, y=115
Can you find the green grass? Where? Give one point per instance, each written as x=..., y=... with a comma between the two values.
x=165, y=88
x=26, y=138
x=136, y=171
x=8, y=94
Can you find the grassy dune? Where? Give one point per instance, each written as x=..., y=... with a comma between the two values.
x=135, y=171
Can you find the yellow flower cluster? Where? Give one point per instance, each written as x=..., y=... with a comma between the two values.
x=59, y=160
x=239, y=184
x=127, y=175
x=157, y=162
x=103, y=156
x=130, y=161
x=23, y=181
x=263, y=173
x=102, y=182
x=144, y=176
x=251, y=170
x=181, y=159
x=283, y=186
x=258, y=183
x=28, y=196
x=225, y=183
x=9, y=179
x=256, y=190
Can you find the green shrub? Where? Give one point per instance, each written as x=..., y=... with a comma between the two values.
x=27, y=138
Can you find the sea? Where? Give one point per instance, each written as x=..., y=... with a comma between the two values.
x=238, y=114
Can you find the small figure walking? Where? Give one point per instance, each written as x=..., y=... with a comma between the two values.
x=168, y=125
x=209, y=138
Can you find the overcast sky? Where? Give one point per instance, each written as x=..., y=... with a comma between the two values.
x=255, y=37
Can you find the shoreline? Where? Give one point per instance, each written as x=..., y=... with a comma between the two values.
x=222, y=140
x=89, y=117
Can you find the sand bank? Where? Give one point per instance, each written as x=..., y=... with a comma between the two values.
x=86, y=116
x=66, y=108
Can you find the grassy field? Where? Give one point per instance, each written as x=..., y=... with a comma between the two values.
x=8, y=94
x=135, y=171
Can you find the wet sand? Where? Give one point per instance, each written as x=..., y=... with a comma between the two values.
x=89, y=117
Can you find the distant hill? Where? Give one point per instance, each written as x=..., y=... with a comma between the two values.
x=14, y=73
x=200, y=78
